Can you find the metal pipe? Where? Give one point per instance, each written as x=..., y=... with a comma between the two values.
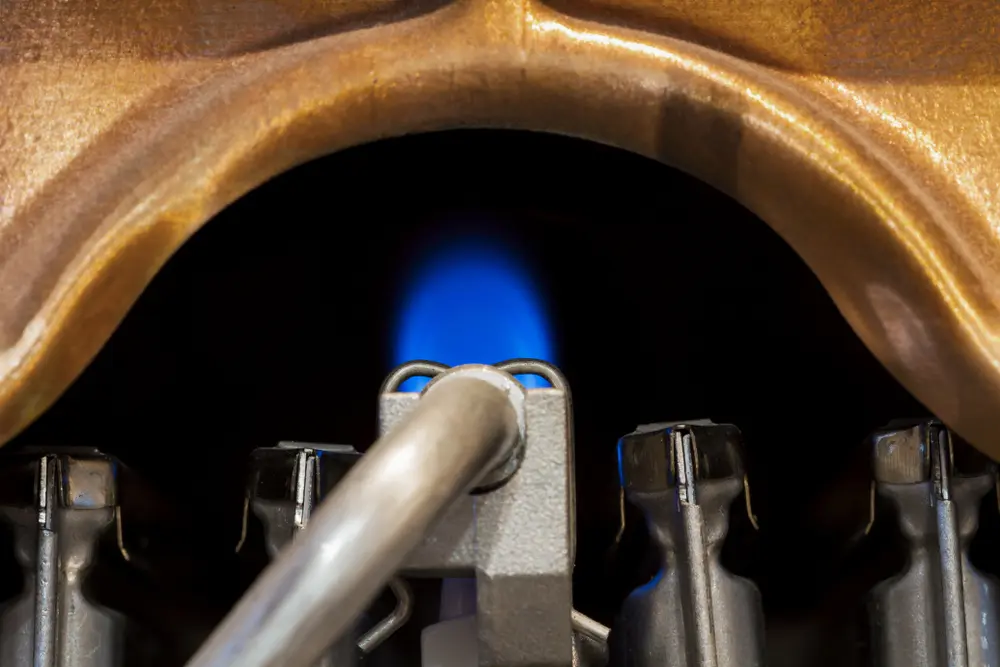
x=468, y=420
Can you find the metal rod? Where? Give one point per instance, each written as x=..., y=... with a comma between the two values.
x=46, y=567
x=385, y=628
x=950, y=553
x=468, y=420
x=697, y=562
x=590, y=628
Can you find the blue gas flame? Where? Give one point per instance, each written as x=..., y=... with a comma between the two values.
x=472, y=302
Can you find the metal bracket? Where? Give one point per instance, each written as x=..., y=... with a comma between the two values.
x=518, y=538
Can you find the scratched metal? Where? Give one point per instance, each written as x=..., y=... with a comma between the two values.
x=866, y=133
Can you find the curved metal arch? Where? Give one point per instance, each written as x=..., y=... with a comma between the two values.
x=894, y=257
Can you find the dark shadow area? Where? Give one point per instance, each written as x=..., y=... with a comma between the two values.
x=666, y=300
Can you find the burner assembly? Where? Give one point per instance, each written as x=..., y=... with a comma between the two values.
x=748, y=236
x=471, y=483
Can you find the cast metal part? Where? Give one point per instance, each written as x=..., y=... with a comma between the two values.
x=286, y=483
x=518, y=538
x=466, y=423
x=941, y=611
x=60, y=504
x=684, y=477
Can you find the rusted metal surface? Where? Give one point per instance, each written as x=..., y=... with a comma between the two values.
x=865, y=133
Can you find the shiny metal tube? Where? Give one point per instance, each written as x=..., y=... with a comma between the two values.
x=468, y=421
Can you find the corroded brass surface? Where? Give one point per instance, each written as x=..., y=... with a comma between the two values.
x=866, y=133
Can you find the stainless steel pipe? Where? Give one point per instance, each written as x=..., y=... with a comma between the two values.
x=467, y=422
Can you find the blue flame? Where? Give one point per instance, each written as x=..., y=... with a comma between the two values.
x=651, y=584
x=621, y=467
x=472, y=302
